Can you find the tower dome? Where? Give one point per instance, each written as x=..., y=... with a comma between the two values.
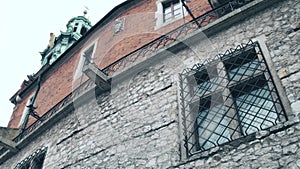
x=76, y=28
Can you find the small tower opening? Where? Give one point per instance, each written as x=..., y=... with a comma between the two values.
x=75, y=27
x=83, y=30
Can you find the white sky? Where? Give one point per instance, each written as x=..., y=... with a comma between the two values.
x=24, y=32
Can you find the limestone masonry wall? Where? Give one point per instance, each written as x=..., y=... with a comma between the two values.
x=136, y=124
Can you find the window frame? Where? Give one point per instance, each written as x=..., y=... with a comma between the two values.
x=173, y=6
x=186, y=94
x=159, y=14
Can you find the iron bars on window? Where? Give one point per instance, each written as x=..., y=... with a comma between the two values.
x=228, y=97
x=34, y=161
x=138, y=54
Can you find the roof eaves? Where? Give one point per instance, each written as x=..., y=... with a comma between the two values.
x=115, y=12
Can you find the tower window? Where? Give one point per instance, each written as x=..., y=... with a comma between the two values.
x=75, y=27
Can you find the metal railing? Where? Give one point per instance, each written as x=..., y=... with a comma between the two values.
x=174, y=35
x=228, y=97
x=136, y=55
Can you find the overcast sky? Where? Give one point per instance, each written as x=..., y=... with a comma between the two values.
x=24, y=32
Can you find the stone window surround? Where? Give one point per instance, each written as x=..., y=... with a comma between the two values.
x=159, y=14
x=78, y=72
x=261, y=40
x=92, y=47
x=282, y=95
x=246, y=85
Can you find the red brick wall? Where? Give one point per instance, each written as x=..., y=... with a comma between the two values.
x=17, y=114
x=57, y=86
x=139, y=29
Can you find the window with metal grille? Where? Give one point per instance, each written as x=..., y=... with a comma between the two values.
x=34, y=161
x=229, y=97
x=171, y=9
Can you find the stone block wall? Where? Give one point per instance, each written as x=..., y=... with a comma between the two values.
x=137, y=124
x=277, y=150
x=279, y=146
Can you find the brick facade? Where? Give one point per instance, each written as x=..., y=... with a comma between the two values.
x=139, y=29
x=138, y=123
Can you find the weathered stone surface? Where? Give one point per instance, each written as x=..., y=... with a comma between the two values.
x=136, y=124
x=296, y=106
x=292, y=149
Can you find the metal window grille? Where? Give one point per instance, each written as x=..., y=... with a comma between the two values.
x=34, y=161
x=228, y=97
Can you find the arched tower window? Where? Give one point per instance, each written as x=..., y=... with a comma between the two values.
x=75, y=27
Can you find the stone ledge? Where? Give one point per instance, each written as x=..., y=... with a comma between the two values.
x=244, y=142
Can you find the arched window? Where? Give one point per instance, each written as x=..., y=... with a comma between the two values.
x=75, y=27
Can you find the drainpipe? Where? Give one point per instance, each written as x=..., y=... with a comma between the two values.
x=31, y=107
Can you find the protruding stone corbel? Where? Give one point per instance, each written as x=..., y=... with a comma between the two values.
x=6, y=136
x=95, y=74
x=8, y=144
